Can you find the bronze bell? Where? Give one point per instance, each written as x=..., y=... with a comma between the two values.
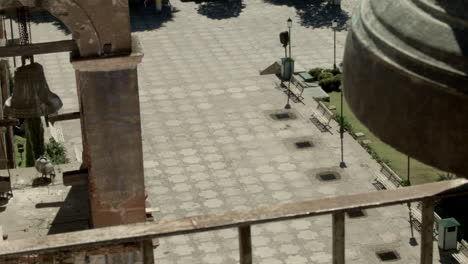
x=406, y=77
x=31, y=96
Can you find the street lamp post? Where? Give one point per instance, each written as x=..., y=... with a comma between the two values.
x=334, y=26
x=342, y=163
x=289, y=23
x=409, y=182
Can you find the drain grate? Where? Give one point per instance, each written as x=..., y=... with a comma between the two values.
x=327, y=176
x=388, y=255
x=281, y=116
x=303, y=144
x=356, y=213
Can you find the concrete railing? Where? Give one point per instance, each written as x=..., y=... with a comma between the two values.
x=133, y=237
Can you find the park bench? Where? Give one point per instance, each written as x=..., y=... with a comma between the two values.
x=417, y=220
x=461, y=255
x=296, y=88
x=387, y=179
x=322, y=117
x=293, y=91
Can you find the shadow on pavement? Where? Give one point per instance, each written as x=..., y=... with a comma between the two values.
x=41, y=181
x=46, y=17
x=445, y=256
x=145, y=18
x=73, y=214
x=142, y=18
x=218, y=9
x=316, y=13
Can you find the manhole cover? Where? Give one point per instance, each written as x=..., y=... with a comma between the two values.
x=282, y=116
x=328, y=176
x=387, y=255
x=356, y=213
x=303, y=144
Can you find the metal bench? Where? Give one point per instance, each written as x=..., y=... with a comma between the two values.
x=391, y=175
x=295, y=90
x=381, y=182
x=322, y=115
x=461, y=255
x=417, y=221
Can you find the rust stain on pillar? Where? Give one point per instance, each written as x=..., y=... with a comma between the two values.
x=112, y=132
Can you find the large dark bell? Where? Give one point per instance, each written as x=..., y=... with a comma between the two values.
x=31, y=96
x=406, y=77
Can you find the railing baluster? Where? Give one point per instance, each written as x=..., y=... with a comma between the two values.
x=245, y=245
x=338, y=225
x=427, y=231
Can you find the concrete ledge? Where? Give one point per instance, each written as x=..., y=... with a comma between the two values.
x=115, y=63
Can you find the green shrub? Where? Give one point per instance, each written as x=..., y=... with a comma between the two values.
x=324, y=75
x=446, y=176
x=330, y=84
x=56, y=153
x=335, y=71
x=347, y=126
x=315, y=72
x=405, y=183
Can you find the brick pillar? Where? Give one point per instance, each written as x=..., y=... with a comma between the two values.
x=111, y=131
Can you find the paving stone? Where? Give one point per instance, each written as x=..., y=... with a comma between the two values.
x=296, y=259
x=265, y=252
x=212, y=203
x=307, y=235
x=209, y=147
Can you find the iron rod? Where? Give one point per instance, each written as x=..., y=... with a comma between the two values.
x=245, y=245
x=338, y=224
x=409, y=182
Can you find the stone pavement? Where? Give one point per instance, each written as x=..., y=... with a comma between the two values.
x=211, y=146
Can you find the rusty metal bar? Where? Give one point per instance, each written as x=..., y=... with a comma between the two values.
x=139, y=232
x=62, y=117
x=39, y=48
x=8, y=122
x=245, y=245
x=427, y=229
x=338, y=225
x=77, y=177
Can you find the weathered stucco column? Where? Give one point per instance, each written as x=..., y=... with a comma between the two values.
x=111, y=131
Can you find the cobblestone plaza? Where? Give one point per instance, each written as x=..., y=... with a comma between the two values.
x=211, y=146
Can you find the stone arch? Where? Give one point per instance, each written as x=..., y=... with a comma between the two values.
x=74, y=17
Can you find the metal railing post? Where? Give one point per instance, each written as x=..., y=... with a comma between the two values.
x=427, y=231
x=338, y=225
x=245, y=245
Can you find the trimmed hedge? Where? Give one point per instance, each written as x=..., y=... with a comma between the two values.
x=331, y=84
x=329, y=79
x=324, y=76
x=315, y=72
